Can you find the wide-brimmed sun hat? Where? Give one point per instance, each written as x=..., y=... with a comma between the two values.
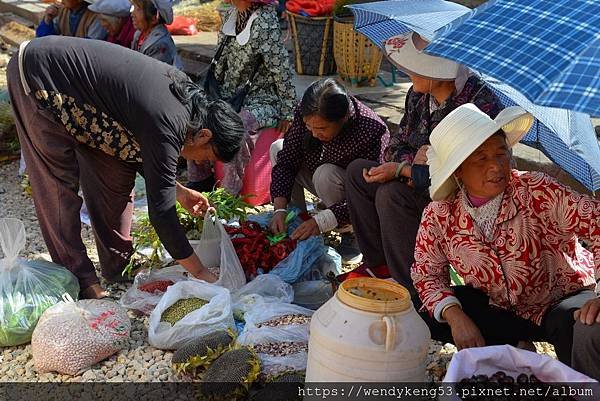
x=115, y=8
x=460, y=133
x=405, y=52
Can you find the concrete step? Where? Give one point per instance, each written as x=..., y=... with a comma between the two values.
x=30, y=10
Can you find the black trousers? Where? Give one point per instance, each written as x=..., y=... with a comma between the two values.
x=576, y=344
x=386, y=219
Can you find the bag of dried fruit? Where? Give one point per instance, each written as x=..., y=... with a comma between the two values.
x=27, y=287
x=215, y=249
x=72, y=336
x=188, y=310
x=504, y=364
x=279, y=334
x=149, y=286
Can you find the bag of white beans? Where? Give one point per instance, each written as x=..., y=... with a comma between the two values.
x=72, y=336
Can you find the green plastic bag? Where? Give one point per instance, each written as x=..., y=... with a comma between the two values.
x=27, y=287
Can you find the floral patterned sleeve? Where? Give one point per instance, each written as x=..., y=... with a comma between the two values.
x=276, y=60
x=568, y=212
x=430, y=273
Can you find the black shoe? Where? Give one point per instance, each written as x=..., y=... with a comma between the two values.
x=349, y=250
x=206, y=185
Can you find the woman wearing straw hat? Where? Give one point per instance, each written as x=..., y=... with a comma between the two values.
x=386, y=200
x=513, y=238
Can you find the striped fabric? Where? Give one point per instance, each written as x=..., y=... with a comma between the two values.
x=548, y=49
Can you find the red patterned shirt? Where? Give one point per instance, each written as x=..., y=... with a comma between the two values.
x=534, y=258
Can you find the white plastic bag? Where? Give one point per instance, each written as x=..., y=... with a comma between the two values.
x=298, y=333
x=27, y=287
x=513, y=361
x=143, y=301
x=72, y=336
x=264, y=288
x=215, y=249
x=216, y=315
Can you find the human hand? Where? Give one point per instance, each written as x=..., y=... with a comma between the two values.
x=195, y=267
x=421, y=156
x=306, y=230
x=192, y=201
x=283, y=126
x=589, y=312
x=465, y=332
x=277, y=224
x=382, y=173
x=50, y=13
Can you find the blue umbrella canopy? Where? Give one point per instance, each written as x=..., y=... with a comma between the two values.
x=381, y=20
x=564, y=136
x=548, y=49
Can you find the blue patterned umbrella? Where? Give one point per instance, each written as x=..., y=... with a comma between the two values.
x=566, y=137
x=548, y=49
x=381, y=20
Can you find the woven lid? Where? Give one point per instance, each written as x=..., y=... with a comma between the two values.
x=374, y=295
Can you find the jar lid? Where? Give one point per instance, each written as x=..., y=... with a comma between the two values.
x=374, y=295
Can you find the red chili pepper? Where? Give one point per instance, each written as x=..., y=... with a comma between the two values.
x=160, y=286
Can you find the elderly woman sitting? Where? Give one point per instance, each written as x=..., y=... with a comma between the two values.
x=513, y=238
x=386, y=200
x=152, y=38
x=115, y=17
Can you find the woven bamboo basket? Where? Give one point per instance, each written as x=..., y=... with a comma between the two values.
x=357, y=58
x=313, y=44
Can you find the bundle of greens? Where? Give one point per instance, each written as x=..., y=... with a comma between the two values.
x=228, y=207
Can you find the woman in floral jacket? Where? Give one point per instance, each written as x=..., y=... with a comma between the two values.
x=513, y=238
x=253, y=51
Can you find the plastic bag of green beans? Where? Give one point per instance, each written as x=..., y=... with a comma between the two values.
x=27, y=287
x=188, y=310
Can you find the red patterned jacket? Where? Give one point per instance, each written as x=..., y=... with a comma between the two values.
x=534, y=258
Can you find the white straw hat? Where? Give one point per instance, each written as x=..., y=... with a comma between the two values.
x=460, y=133
x=405, y=52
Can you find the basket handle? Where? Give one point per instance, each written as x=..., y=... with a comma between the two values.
x=292, y=22
x=324, y=47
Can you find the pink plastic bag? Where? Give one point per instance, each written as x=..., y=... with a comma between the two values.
x=257, y=176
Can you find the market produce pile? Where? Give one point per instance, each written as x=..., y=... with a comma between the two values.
x=258, y=253
x=181, y=309
x=197, y=354
x=148, y=249
x=156, y=286
x=231, y=375
x=27, y=288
